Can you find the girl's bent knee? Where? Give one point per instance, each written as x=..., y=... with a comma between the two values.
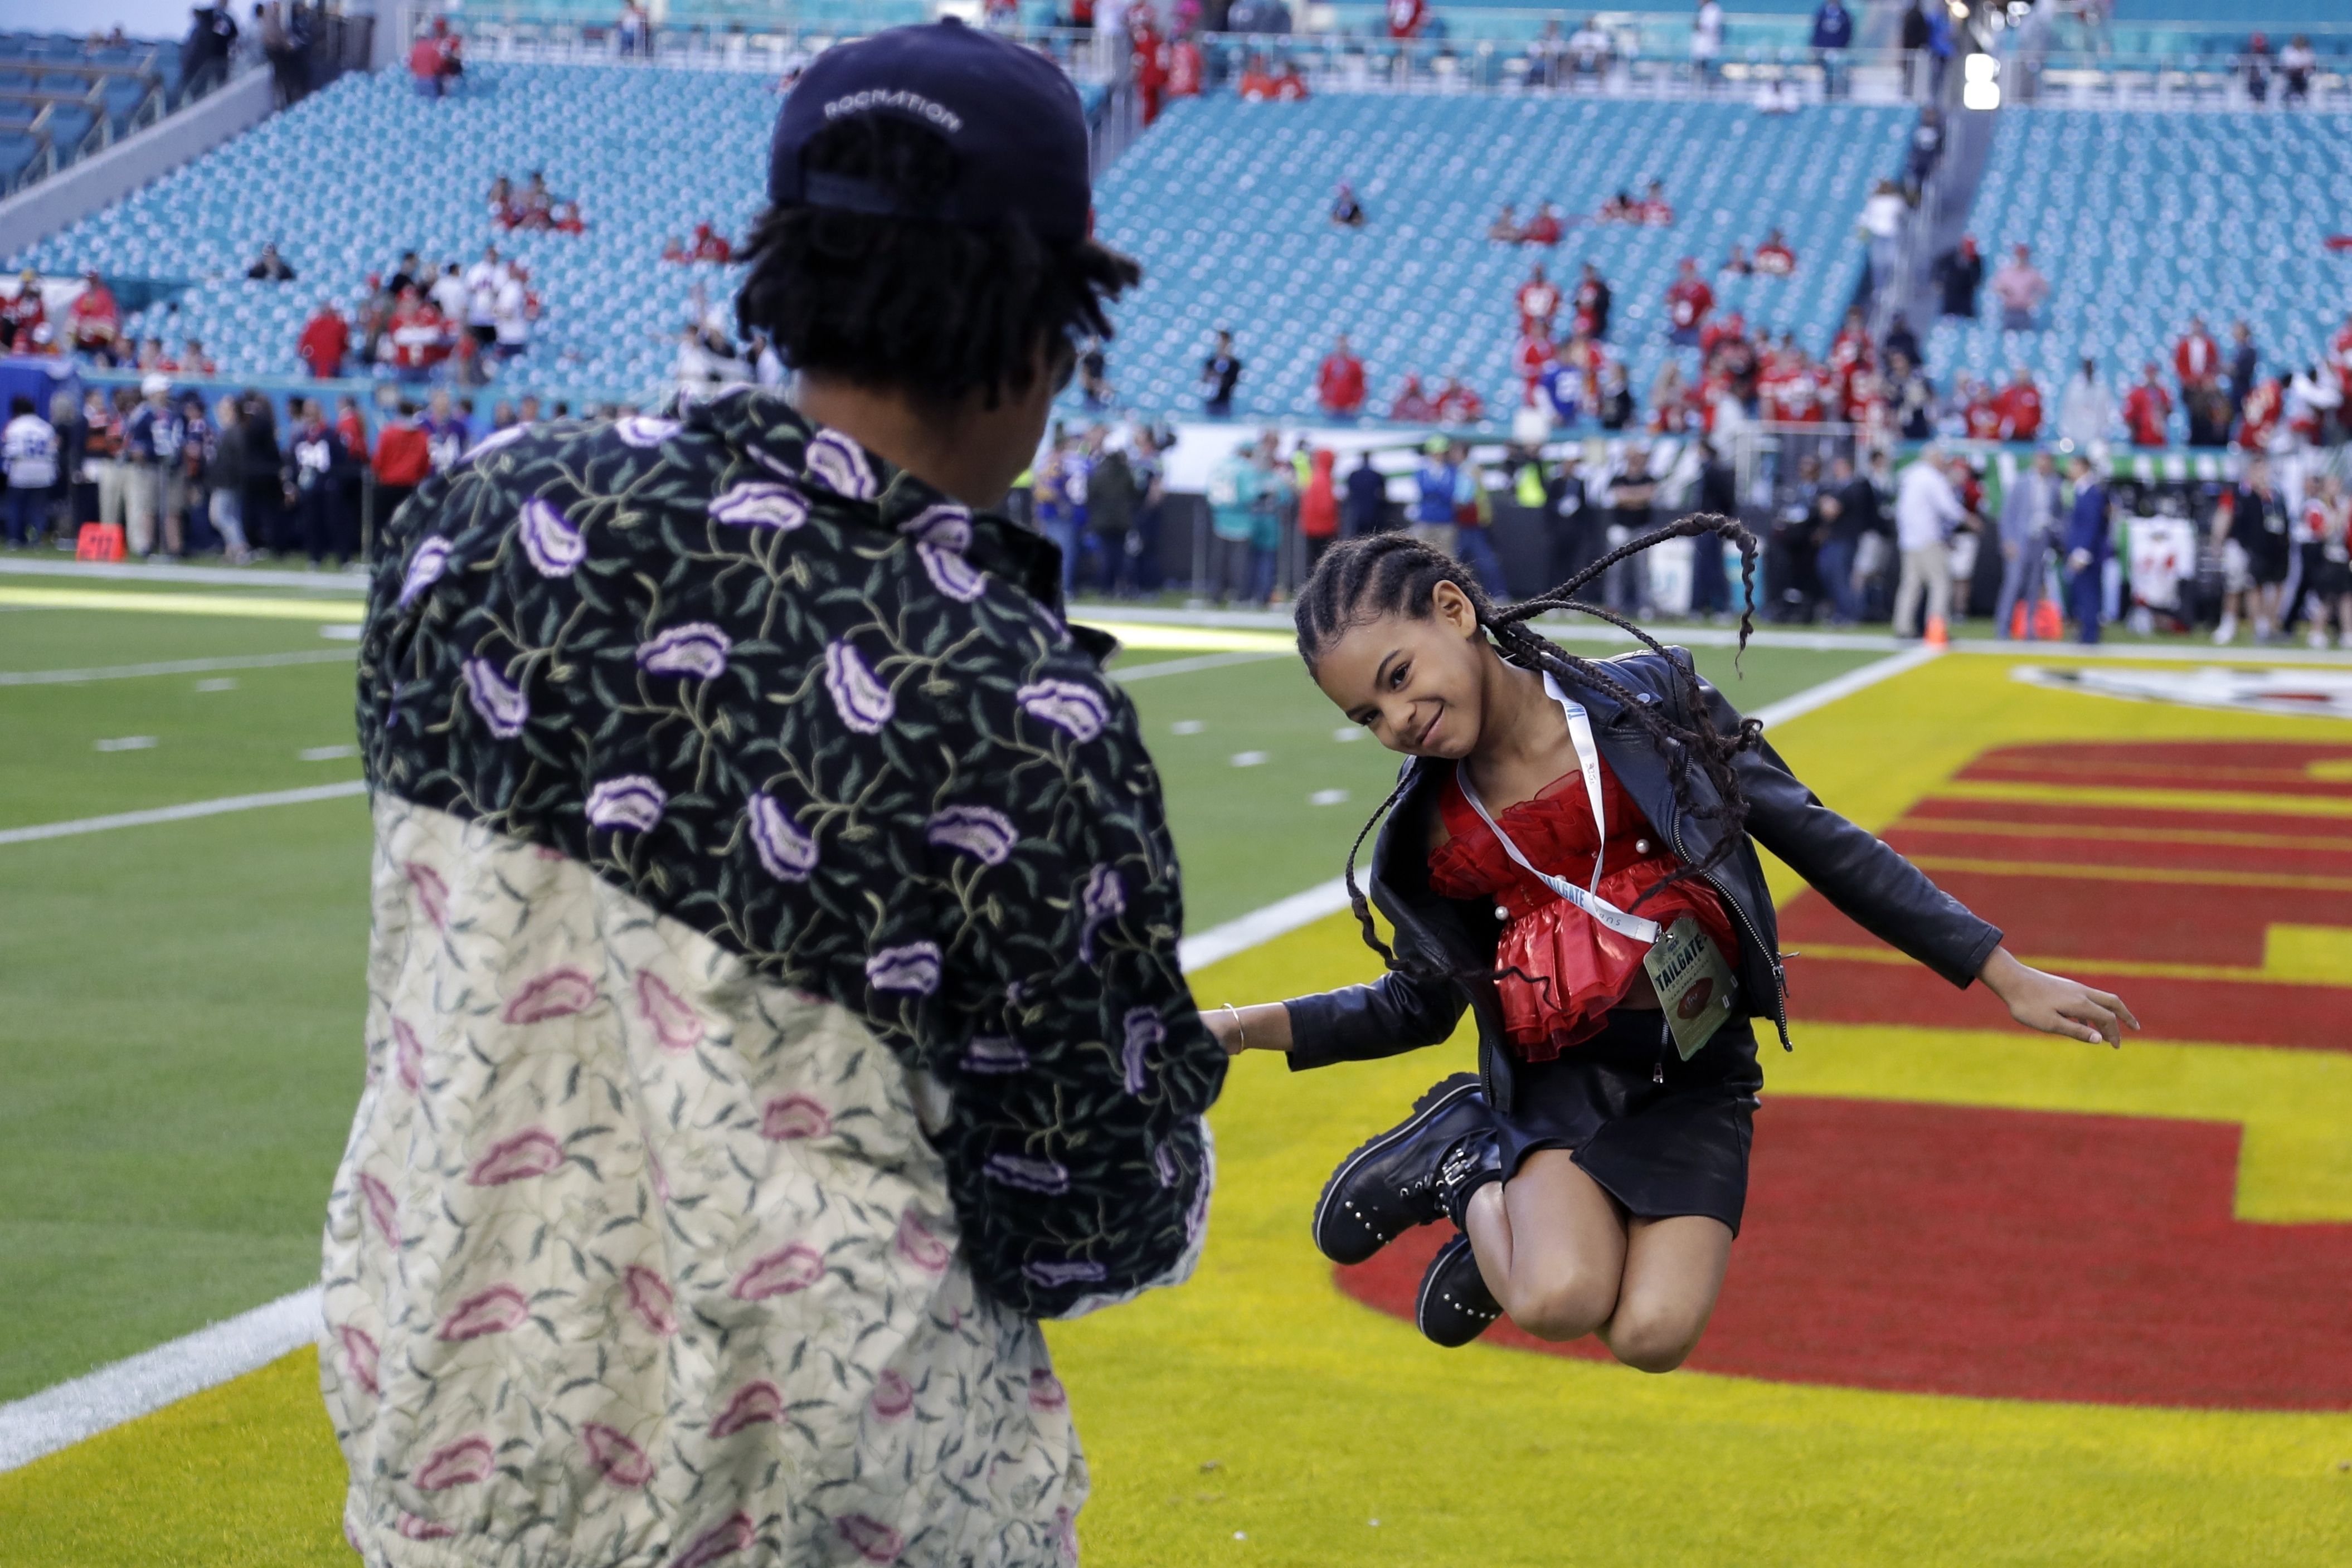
x=1650, y=1343
x=1563, y=1313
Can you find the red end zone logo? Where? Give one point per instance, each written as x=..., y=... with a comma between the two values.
x=1958, y=1250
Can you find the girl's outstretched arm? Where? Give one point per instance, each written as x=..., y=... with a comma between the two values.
x=2054, y=1004
x=1264, y=1026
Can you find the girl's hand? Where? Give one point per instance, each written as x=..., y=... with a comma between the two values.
x=2055, y=1005
x=1265, y=1027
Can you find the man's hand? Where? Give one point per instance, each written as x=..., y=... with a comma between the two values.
x=2053, y=1004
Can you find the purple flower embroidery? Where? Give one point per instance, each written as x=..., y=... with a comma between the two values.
x=554, y=545
x=1030, y=1175
x=632, y=802
x=1164, y=1166
x=914, y=968
x=645, y=430
x=946, y=525
x=1144, y=1031
x=987, y=836
x=1105, y=900
x=1070, y=1271
x=839, y=464
x=760, y=503
x=696, y=650
x=425, y=569
x=863, y=703
x=491, y=442
x=951, y=573
x=994, y=1053
x=503, y=707
x=1066, y=706
x=787, y=854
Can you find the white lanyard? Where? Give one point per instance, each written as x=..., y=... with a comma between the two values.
x=1588, y=760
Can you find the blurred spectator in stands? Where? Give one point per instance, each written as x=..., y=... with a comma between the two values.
x=1545, y=228
x=2197, y=358
x=1774, y=258
x=2327, y=560
x=410, y=274
x=2297, y=62
x=2207, y=408
x=2146, y=408
x=534, y=201
x=1706, y=43
x=1792, y=547
x=414, y=335
x=482, y=281
x=2258, y=418
x=1883, y=215
x=1259, y=16
x=1221, y=373
x=1588, y=307
x=316, y=468
x=1653, y=210
x=1832, y=35
x=2245, y=363
x=445, y=435
x=1406, y=18
x=1187, y=71
x=1688, y=300
x=1736, y=264
x=151, y=453
x=193, y=361
x=1112, y=496
x=150, y=355
x=1910, y=397
x=1346, y=210
x=289, y=70
x=1339, y=382
x=1365, y=508
x=1430, y=518
x=2020, y=407
x=1094, y=374
x=1960, y=273
x=2255, y=64
x=1845, y=508
x=205, y=55
x=1633, y=500
x=1900, y=339
x=1259, y=84
x=2085, y=409
x=711, y=247
x=94, y=322
x=1925, y=151
x=2314, y=397
x=224, y=478
x=24, y=319
x=1411, y=405
x=2088, y=543
x=270, y=266
x=1777, y=92
x=1318, y=504
x=1531, y=358
x=1616, y=394
x=674, y=252
x=1458, y=404
x=514, y=310
x=1565, y=382
x=1619, y=208
x=1538, y=301
x=1236, y=486
x=1290, y=83
x=1926, y=509
x=502, y=203
x=196, y=439
x=2029, y=524
x=527, y=410
x=28, y=455
x=1504, y=229
x=1546, y=57
x=1590, y=52
x=635, y=34
x=265, y=479
x=449, y=294
x=1669, y=400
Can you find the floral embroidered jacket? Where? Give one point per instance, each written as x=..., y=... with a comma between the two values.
x=773, y=1010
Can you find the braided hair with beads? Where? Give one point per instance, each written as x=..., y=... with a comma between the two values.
x=1363, y=580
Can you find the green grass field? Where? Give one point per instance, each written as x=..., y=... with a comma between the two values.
x=183, y=1001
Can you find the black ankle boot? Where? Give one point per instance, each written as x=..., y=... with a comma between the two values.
x=1397, y=1180
x=1455, y=1306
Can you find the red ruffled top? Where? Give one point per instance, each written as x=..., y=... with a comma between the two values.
x=1576, y=967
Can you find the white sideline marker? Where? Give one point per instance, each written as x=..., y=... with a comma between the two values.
x=125, y=1390
x=171, y=667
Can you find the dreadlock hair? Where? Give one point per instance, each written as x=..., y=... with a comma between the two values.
x=934, y=309
x=1361, y=580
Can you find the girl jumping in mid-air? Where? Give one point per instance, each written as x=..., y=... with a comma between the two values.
x=1572, y=855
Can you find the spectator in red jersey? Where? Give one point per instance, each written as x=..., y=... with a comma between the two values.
x=1290, y=83
x=1851, y=348
x=326, y=339
x=2020, y=408
x=2021, y=288
x=1590, y=308
x=1720, y=333
x=1258, y=83
x=2146, y=408
x=1457, y=404
x=94, y=322
x=1979, y=409
x=1688, y=300
x=1406, y=18
x=1653, y=209
x=24, y=319
x=1774, y=258
x=1620, y=208
x=504, y=213
x=195, y=362
x=403, y=459
x=1411, y=405
x=711, y=247
x=1544, y=228
x=674, y=252
x=437, y=59
x=1531, y=357
x=1339, y=383
x=349, y=428
x=1186, y=70
x=418, y=338
x=565, y=218
x=2197, y=358
x=1538, y=301
x=1147, y=54
x=2258, y=423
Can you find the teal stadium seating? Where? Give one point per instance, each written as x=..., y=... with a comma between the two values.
x=2141, y=219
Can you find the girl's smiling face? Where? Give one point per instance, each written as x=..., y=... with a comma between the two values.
x=1415, y=682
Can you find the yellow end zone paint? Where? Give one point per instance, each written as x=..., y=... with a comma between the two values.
x=249, y=606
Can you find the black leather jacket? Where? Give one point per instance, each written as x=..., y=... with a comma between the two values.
x=1884, y=894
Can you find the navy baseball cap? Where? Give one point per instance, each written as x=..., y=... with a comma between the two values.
x=1009, y=114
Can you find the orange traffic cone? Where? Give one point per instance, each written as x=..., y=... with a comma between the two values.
x=1938, y=637
x=2017, y=621
x=2048, y=624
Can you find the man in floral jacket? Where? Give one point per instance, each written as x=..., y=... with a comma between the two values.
x=773, y=1006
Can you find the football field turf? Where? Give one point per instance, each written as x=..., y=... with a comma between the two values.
x=1999, y=1299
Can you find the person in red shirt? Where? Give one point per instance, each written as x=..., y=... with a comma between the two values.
x=2197, y=358
x=1774, y=258
x=1457, y=404
x=349, y=428
x=1590, y=306
x=1258, y=83
x=1339, y=383
x=1852, y=349
x=1186, y=70
x=1147, y=60
x=1689, y=300
x=1721, y=333
x=1318, y=506
x=2146, y=408
x=1411, y=405
x=712, y=247
x=2339, y=354
x=94, y=322
x=1290, y=83
x=1544, y=228
x=2258, y=421
x=326, y=339
x=403, y=459
x=673, y=251
x=2020, y=408
x=1980, y=408
x=1531, y=356
x=1653, y=209
x=1407, y=17
x=24, y=319
x=1539, y=300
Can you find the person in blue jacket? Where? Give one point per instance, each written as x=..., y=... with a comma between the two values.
x=2088, y=547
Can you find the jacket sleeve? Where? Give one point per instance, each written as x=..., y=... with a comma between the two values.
x=1391, y=1015
x=1873, y=886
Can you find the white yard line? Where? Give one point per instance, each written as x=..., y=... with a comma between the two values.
x=218, y=576
x=126, y=1390
x=173, y=668
x=1186, y=666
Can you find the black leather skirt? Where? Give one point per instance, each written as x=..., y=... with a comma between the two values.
x=1662, y=1136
